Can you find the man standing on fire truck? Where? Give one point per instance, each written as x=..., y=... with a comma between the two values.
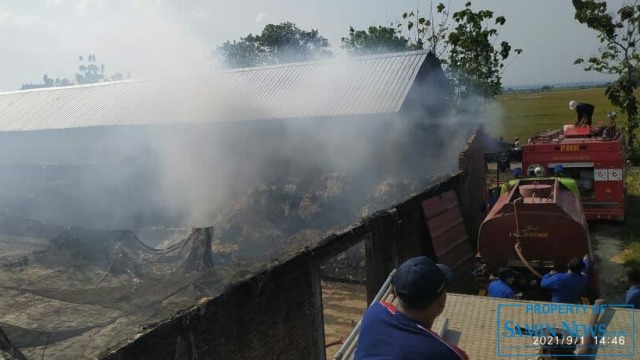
x=584, y=112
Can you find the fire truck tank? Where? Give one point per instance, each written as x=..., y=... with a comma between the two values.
x=536, y=225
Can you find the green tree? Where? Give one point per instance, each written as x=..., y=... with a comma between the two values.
x=46, y=82
x=277, y=44
x=475, y=62
x=471, y=55
x=90, y=72
x=375, y=40
x=62, y=82
x=619, y=34
x=117, y=77
x=245, y=52
x=427, y=32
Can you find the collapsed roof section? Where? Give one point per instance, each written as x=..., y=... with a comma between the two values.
x=409, y=81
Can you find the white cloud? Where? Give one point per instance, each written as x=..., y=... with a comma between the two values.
x=85, y=6
x=54, y=3
x=202, y=15
x=10, y=19
x=261, y=18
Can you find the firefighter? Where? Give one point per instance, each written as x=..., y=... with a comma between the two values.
x=517, y=149
x=404, y=332
x=517, y=172
x=584, y=112
x=567, y=287
x=500, y=287
x=632, y=297
x=558, y=170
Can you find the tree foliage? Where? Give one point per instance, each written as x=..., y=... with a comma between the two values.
x=375, y=40
x=475, y=61
x=277, y=44
x=427, y=32
x=47, y=82
x=89, y=73
x=619, y=33
x=468, y=47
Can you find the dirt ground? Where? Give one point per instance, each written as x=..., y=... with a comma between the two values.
x=607, y=243
x=344, y=304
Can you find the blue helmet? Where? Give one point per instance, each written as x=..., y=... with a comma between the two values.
x=558, y=169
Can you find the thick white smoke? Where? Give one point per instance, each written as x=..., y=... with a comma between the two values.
x=201, y=174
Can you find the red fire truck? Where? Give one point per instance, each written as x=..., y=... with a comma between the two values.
x=593, y=156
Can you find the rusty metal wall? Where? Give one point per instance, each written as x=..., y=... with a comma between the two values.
x=447, y=229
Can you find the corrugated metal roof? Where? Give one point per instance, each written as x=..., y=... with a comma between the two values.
x=366, y=85
x=472, y=324
x=475, y=320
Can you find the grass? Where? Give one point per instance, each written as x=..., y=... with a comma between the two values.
x=524, y=114
x=632, y=224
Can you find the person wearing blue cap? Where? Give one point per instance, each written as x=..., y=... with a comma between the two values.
x=404, y=332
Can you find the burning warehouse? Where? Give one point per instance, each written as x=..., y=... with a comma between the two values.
x=273, y=158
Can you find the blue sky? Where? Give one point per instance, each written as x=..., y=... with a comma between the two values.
x=160, y=37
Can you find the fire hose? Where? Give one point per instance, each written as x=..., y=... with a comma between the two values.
x=334, y=343
x=518, y=247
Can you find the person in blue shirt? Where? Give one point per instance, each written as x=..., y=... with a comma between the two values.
x=567, y=287
x=632, y=297
x=500, y=287
x=404, y=332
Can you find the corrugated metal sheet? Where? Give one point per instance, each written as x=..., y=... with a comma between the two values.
x=472, y=324
x=447, y=230
x=367, y=85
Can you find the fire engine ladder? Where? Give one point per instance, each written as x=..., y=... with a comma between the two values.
x=348, y=348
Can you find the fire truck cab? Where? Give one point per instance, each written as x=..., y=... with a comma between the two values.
x=593, y=156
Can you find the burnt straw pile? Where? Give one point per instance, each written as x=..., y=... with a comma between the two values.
x=82, y=291
x=120, y=252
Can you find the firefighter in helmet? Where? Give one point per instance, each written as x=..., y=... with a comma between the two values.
x=584, y=112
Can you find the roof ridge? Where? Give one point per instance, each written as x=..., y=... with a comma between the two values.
x=234, y=70
x=372, y=84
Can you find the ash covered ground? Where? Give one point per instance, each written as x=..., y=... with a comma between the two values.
x=105, y=231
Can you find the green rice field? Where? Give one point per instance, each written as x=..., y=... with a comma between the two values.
x=523, y=114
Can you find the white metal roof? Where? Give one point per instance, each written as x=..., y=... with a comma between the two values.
x=365, y=85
